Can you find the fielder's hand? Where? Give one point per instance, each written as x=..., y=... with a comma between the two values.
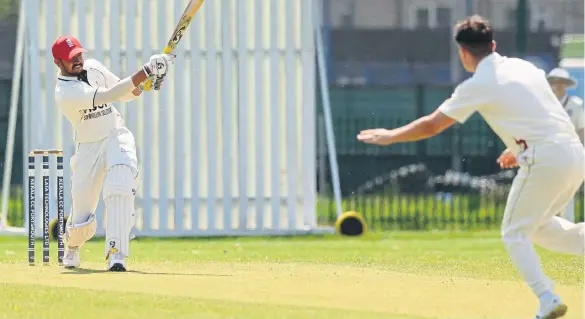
x=377, y=136
x=507, y=160
x=159, y=64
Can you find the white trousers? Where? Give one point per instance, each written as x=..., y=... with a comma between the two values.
x=89, y=166
x=548, y=178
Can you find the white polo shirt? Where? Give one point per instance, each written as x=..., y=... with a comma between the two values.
x=574, y=107
x=515, y=99
x=90, y=122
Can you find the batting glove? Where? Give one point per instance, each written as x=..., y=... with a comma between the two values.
x=159, y=64
x=157, y=83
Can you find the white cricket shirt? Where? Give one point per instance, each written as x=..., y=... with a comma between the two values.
x=515, y=99
x=91, y=123
x=574, y=107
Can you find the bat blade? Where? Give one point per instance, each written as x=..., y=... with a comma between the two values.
x=179, y=31
x=183, y=24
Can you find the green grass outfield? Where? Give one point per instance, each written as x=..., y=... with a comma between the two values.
x=384, y=275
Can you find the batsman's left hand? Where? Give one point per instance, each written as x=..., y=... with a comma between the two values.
x=377, y=136
x=158, y=82
x=159, y=64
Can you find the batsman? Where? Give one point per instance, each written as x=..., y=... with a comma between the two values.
x=105, y=154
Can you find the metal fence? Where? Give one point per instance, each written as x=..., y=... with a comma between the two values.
x=403, y=192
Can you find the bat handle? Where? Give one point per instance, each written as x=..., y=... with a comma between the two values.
x=148, y=84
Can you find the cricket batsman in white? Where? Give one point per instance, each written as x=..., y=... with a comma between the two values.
x=560, y=80
x=105, y=156
x=515, y=99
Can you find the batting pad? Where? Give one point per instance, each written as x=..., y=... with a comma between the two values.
x=77, y=235
x=120, y=180
x=120, y=220
x=119, y=190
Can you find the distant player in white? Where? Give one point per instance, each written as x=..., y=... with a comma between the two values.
x=560, y=80
x=515, y=99
x=105, y=154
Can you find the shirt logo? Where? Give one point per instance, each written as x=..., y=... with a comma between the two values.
x=95, y=112
x=69, y=43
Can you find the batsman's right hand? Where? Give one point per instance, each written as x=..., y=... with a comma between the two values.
x=159, y=64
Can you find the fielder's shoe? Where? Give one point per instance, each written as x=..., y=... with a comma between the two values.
x=116, y=262
x=551, y=307
x=71, y=258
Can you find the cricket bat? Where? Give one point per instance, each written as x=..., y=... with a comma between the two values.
x=192, y=8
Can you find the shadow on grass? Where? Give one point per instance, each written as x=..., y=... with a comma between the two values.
x=86, y=271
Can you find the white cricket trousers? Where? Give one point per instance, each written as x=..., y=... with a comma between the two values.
x=89, y=165
x=549, y=176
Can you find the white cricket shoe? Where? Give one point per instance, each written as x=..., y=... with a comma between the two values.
x=71, y=258
x=116, y=262
x=551, y=307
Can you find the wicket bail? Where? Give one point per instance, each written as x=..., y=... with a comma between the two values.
x=46, y=204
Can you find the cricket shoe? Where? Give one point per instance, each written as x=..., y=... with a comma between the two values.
x=71, y=259
x=551, y=307
x=116, y=262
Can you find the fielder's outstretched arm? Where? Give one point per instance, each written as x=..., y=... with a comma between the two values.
x=420, y=129
x=464, y=101
x=423, y=128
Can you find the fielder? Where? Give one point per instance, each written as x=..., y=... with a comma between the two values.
x=560, y=80
x=105, y=155
x=514, y=98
